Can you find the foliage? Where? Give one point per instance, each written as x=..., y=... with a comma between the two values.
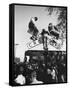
x=62, y=14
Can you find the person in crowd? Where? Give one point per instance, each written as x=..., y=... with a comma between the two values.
x=34, y=78
x=20, y=74
x=63, y=74
x=54, y=73
x=48, y=76
x=20, y=79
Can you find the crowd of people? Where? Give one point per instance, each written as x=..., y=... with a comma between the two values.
x=41, y=68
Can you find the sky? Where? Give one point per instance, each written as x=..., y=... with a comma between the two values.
x=22, y=18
